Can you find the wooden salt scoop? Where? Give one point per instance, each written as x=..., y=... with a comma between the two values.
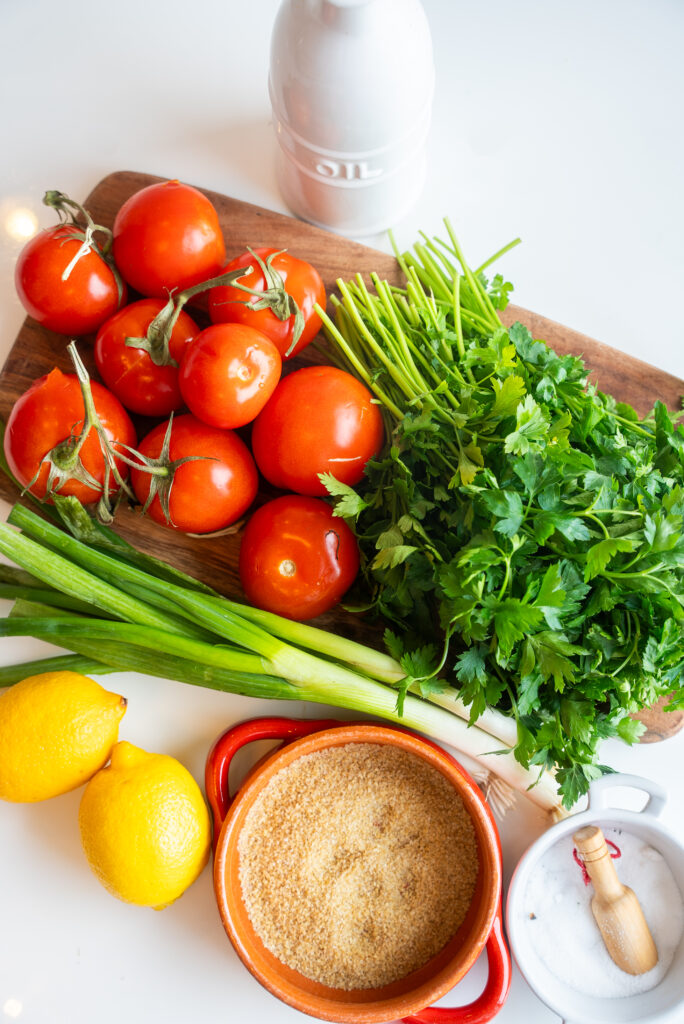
x=615, y=907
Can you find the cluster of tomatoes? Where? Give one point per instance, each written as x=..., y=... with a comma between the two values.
x=195, y=470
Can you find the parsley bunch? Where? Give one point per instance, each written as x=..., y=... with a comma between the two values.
x=522, y=532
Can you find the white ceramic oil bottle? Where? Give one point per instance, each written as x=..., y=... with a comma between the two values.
x=351, y=85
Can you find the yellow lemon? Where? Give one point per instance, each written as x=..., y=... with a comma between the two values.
x=56, y=730
x=145, y=827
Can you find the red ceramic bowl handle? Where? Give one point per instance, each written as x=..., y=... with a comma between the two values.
x=232, y=740
x=488, y=1004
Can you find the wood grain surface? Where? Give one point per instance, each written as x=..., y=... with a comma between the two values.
x=36, y=351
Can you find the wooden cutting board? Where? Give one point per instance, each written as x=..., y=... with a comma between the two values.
x=36, y=351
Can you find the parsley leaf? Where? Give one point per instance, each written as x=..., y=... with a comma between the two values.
x=599, y=555
x=532, y=425
x=509, y=393
x=517, y=510
x=350, y=504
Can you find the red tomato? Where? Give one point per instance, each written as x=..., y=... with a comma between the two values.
x=130, y=372
x=167, y=236
x=48, y=413
x=228, y=374
x=302, y=281
x=77, y=305
x=296, y=558
x=318, y=420
x=208, y=493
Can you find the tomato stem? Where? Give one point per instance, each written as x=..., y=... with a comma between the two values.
x=157, y=339
x=64, y=460
x=162, y=470
x=68, y=211
x=274, y=296
x=83, y=250
x=92, y=420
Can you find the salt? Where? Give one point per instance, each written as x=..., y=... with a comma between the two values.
x=562, y=929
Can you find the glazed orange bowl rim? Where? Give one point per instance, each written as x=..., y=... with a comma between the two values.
x=419, y=989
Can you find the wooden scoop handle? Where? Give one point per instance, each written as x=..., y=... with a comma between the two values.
x=616, y=909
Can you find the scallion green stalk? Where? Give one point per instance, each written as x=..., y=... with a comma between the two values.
x=163, y=632
x=11, y=674
x=9, y=591
x=71, y=579
x=373, y=663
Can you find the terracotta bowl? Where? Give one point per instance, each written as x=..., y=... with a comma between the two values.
x=407, y=997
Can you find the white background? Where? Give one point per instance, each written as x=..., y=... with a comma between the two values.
x=559, y=122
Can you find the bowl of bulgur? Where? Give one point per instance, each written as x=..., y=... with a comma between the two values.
x=357, y=870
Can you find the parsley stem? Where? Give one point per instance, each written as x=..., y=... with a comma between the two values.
x=507, y=577
x=456, y=310
x=370, y=342
x=514, y=703
x=598, y=523
x=358, y=366
x=449, y=269
x=423, y=302
x=648, y=573
x=634, y=648
x=636, y=575
x=479, y=293
x=399, y=296
x=372, y=310
x=610, y=511
x=640, y=555
x=497, y=256
x=440, y=379
x=434, y=275
x=418, y=274
x=458, y=324
x=402, y=348
x=477, y=320
x=635, y=427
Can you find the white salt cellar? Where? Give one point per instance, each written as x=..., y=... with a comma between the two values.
x=557, y=944
x=351, y=84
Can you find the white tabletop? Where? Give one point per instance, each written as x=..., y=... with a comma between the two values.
x=559, y=122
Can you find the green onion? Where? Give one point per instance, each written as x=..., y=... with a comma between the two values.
x=11, y=674
x=164, y=629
